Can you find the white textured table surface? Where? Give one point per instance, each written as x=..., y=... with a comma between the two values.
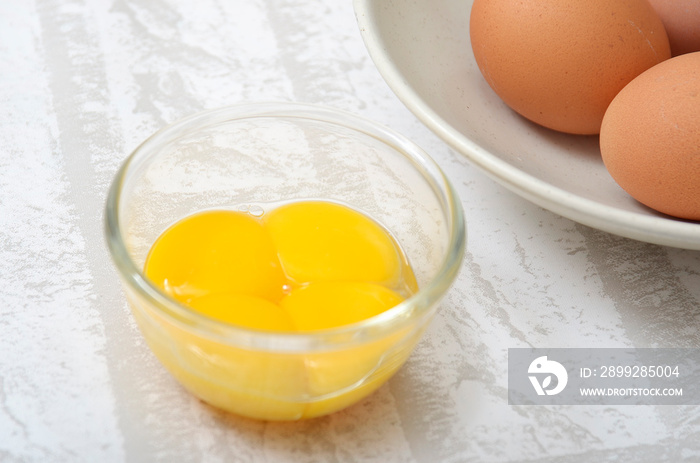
x=83, y=82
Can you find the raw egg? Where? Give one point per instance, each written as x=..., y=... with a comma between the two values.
x=560, y=63
x=650, y=137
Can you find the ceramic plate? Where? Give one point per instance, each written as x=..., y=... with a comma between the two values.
x=422, y=50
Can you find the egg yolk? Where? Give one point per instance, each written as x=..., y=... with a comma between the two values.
x=327, y=304
x=243, y=310
x=216, y=252
x=323, y=241
x=304, y=266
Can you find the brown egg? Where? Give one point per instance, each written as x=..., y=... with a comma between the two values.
x=560, y=63
x=681, y=19
x=650, y=137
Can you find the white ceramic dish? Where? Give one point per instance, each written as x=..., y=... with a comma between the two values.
x=422, y=50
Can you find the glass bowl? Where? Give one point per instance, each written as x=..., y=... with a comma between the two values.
x=248, y=156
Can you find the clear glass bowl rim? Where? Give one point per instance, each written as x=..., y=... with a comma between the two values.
x=415, y=310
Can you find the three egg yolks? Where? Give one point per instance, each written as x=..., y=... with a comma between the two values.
x=303, y=266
